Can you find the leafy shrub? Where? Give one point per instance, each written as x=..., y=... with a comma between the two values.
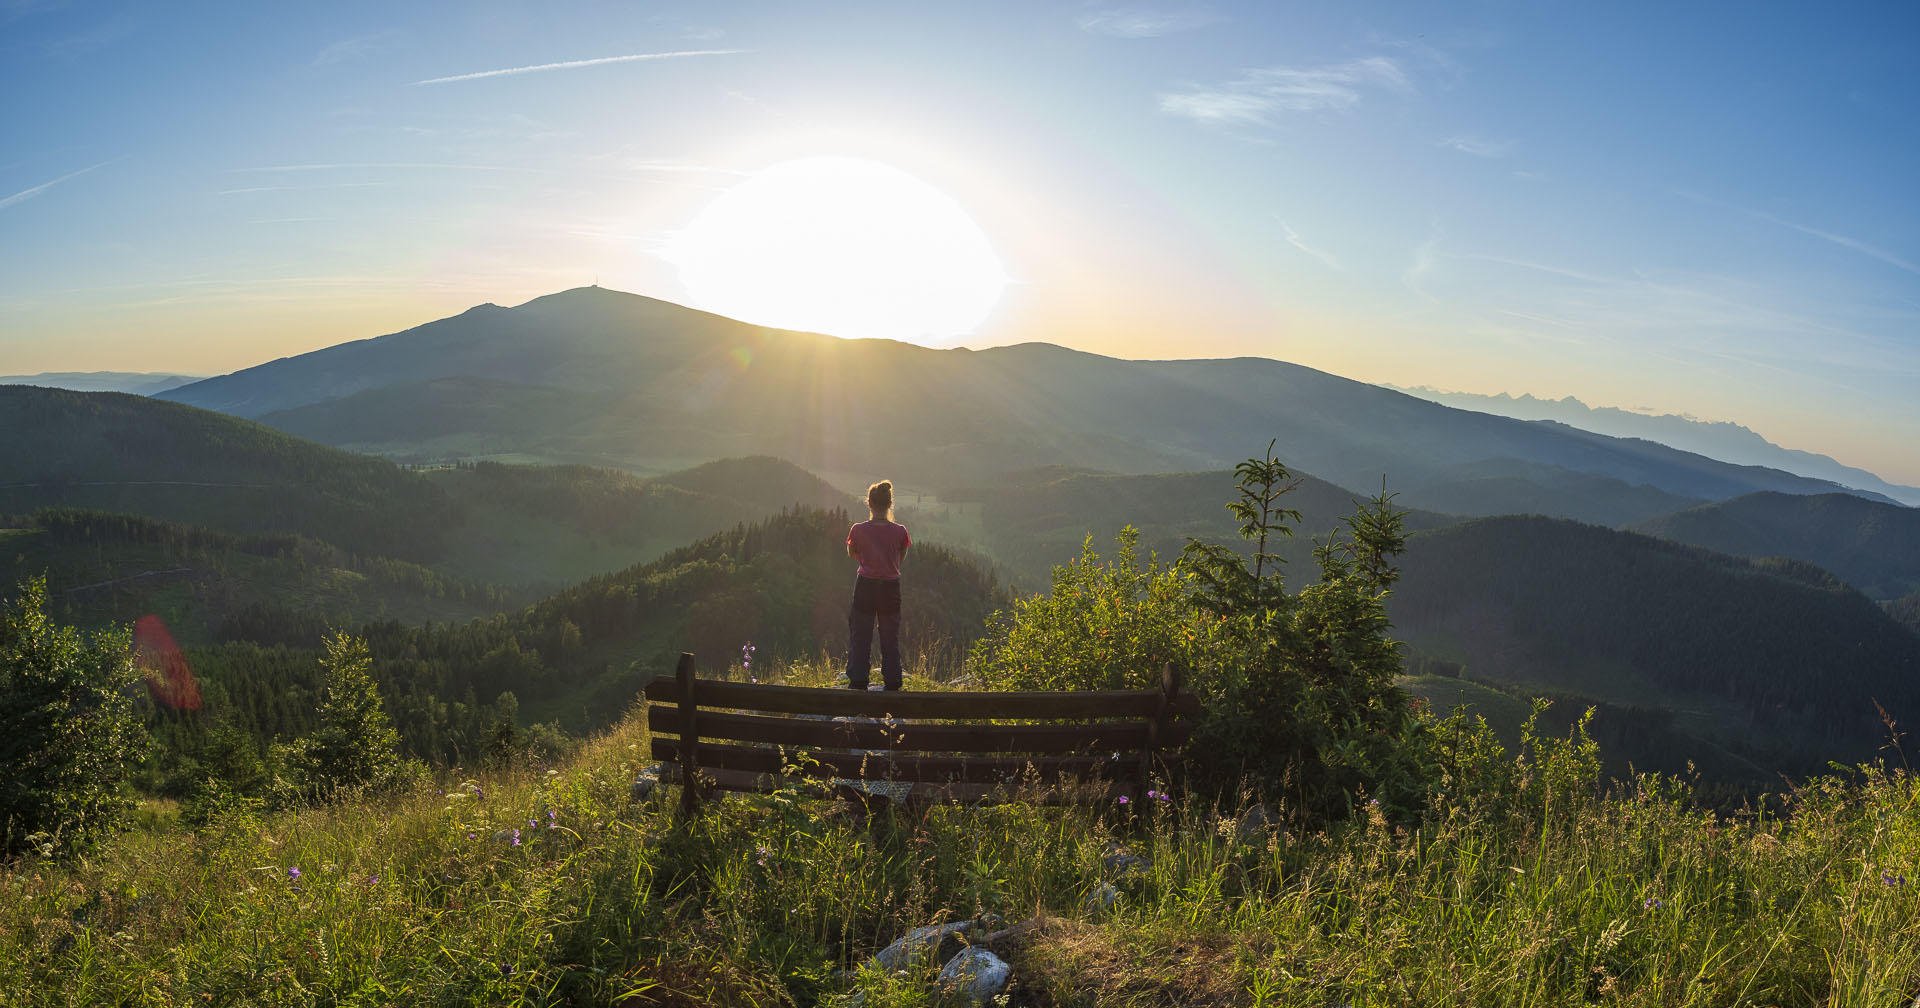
x=1298, y=687
x=69, y=738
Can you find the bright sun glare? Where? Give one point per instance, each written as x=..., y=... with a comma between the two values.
x=843, y=246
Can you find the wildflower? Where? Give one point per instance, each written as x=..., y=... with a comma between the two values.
x=293, y=874
x=1121, y=800
x=373, y=880
x=1652, y=903
x=516, y=838
x=506, y=970
x=1890, y=879
x=551, y=814
x=469, y=836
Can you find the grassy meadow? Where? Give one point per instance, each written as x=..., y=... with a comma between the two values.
x=548, y=886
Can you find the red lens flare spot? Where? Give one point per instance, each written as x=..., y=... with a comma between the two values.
x=165, y=667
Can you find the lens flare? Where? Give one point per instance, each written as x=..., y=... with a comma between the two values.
x=160, y=660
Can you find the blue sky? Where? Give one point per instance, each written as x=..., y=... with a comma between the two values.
x=1698, y=208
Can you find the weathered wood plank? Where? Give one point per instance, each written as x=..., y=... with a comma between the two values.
x=927, y=769
x=937, y=738
x=1091, y=704
x=1067, y=793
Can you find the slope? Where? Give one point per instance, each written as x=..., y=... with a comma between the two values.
x=1774, y=660
x=1873, y=546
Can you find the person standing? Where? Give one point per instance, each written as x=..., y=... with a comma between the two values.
x=879, y=544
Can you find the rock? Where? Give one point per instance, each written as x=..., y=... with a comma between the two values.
x=933, y=943
x=973, y=977
x=1102, y=899
x=1119, y=862
x=644, y=783
x=1255, y=824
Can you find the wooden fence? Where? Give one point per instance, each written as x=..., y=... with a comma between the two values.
x=918, y=746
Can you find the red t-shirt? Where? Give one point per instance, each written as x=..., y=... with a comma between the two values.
x=880, y=544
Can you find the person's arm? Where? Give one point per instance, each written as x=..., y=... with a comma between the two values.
x=852, y=551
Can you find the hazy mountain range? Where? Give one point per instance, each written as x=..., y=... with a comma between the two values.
x=1729, y=442
x=138, y=383
x=593, y=375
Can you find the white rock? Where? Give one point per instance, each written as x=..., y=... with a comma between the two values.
x=919, y=944
x=975, y=976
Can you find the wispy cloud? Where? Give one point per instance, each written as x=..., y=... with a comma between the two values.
x=1258, y=95
x=1841, y=240
x=351, y=165
x=27, y=194
x=576, y=64
x=1479, y=147
x=1294, y=239
x=1146, y=22
x=299, y=188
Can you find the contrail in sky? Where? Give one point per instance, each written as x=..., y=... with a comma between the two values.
x=27, y=194
x=571, y=64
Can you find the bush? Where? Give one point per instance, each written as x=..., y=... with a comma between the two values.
x=69, y=739
x=1298, y=687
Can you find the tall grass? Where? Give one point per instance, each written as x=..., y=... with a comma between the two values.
x=1628, y=898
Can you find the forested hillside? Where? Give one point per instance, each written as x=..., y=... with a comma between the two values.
x=1775, y=660
x=206, y=586
x=1031, y=520
x=1873, y=546
x=581, y=656
x=108, y=451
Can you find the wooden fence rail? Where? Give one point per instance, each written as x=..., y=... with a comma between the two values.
x=1063, y=746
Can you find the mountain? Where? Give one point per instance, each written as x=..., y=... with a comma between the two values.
x=530, y=529
x=1031, y=520
x=109, y=451
x=136, y=383
x=1873, y=546
x=592, y=375
x=1714, y=439
x=1774, y=660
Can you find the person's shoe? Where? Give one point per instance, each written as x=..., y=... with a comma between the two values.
x=857, y=686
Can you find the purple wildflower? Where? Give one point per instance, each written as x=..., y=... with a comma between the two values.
x=1121, y=800
x=516, y=838
x=1890, y=879
x=1652, y=903
x=293, y=874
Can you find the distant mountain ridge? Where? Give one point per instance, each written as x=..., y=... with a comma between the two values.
x=600, y=376
x=136, y=383
x=1730, y=442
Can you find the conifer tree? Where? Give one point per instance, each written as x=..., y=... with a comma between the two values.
x=355, y=745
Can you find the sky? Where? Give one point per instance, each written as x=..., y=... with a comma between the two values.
x=1700, y=208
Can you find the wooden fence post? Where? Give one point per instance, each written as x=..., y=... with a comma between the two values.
x=689, y=737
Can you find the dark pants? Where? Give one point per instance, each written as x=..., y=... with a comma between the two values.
x=873, y=600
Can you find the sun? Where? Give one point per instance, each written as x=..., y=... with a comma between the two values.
x=843, y=246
